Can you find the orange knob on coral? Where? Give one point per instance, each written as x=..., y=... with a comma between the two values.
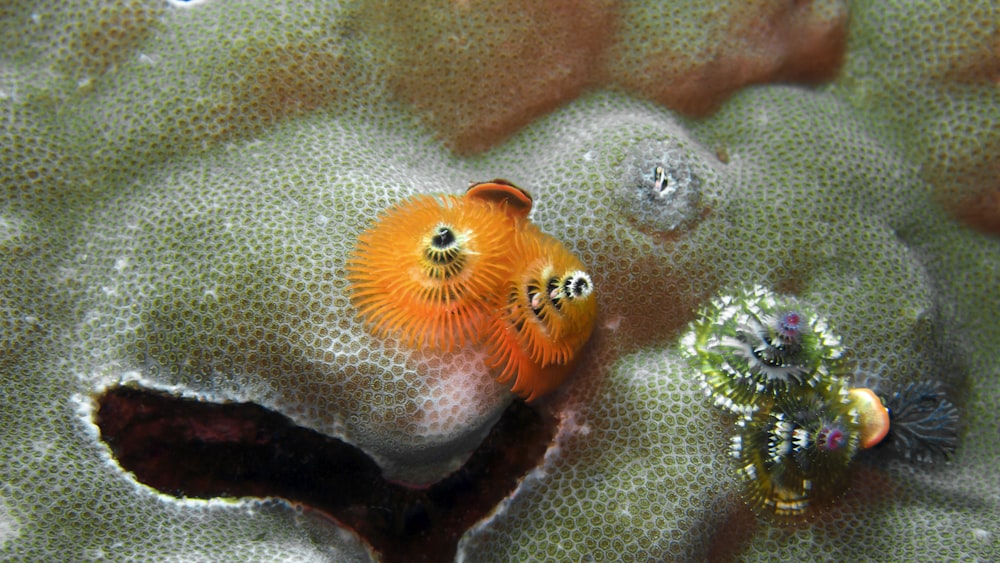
x=873, y=418
x=427, y=270
x=513, y=200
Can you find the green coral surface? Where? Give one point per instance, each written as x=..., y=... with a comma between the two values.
x=182, y=186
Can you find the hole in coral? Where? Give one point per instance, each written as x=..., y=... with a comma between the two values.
x=191, y=448
x=660, y=190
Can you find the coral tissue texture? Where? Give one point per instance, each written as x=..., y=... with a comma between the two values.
x=183, y=184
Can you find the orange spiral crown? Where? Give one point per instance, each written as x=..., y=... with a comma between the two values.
x=446, y=271
x=427, y=268
x=547, y=315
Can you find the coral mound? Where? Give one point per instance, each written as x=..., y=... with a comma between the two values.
x=182, y=187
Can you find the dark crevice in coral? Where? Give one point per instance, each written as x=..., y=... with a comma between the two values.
x=191, y=448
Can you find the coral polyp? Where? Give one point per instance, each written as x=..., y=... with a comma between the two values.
x=752, y=345
x=426, y=270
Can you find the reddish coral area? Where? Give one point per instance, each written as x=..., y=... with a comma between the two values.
x=760, y=43
x=963, y=166
x=104, y=37
x=293, y=78
x=967, y=181
x=480, y=70
x=971, y=59
x=982, y=211
x=477, y=71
